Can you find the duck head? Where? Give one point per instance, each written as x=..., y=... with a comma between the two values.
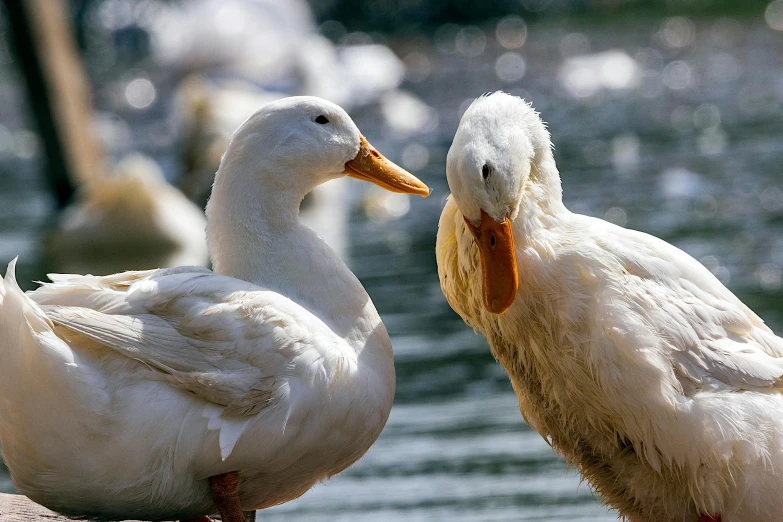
x=499, y=163
x=316, y=141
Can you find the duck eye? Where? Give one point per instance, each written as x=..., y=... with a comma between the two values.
x=321, y=119
x=485, y=171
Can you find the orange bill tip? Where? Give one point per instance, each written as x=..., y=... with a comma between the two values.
x=370, y=165
x=500, y=278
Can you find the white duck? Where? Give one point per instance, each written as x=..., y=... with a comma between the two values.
x=173, y=393
x=626, y=354
x=131, y=218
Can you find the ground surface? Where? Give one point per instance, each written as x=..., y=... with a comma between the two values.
x=18, y=507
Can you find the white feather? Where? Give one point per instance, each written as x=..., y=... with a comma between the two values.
x=628, y=355
x=120, y=395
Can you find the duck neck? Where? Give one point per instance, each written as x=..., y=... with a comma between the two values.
x=254, y=234
x=541, y=205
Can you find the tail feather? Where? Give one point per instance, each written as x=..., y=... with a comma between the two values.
x=11, y=269
x=37, y=368
x=10, y=278
x=25, y=329
x=12, y=322
x=42, y=388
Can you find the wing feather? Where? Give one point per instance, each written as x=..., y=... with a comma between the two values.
x=227, y=341
x=713, y=339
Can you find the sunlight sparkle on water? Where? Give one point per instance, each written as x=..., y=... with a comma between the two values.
x=470, y=41
x=415, y=156
x=417, y=67
x=774, y=15
x=405, y=113
x=772, y=199
x=625, y=152
x=140, y=93
x=768, y=276
x=617, y=216
x=706, y=116
x=511, y=32
x=677, y=75
x=510, y=67
x=586, y=75
x=677, y=32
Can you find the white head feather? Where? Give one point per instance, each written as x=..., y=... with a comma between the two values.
x=505, y=134
x=273, y=160
x=305, y=139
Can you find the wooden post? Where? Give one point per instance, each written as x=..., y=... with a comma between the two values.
x=59, y=93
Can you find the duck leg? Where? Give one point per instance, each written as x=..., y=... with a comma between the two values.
x=226, y=498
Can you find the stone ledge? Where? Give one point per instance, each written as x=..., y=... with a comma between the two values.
x=18, y=508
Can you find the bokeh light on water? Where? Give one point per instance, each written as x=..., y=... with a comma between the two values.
x=663, y=121
x=774, y=15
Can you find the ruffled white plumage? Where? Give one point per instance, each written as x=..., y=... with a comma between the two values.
x=629, y=356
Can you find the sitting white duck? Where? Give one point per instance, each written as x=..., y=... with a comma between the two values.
x=628, y=356
x=131, y=218
x=178, y=392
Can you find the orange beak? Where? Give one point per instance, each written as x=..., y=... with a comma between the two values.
x=498, y=262
x=370, y=165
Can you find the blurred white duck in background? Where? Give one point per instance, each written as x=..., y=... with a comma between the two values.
x=237, y=54
x=272, y=43
x=131, y=218
x=178, y=392
x=628, y=356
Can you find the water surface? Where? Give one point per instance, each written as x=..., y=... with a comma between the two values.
x=688, y=146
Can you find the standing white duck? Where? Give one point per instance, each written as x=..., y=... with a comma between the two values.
x=176, y=392
x=628, y=356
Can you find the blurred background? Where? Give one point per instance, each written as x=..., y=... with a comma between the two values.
x=666, y=116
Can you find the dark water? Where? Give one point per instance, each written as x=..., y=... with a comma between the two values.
x=687, y=146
